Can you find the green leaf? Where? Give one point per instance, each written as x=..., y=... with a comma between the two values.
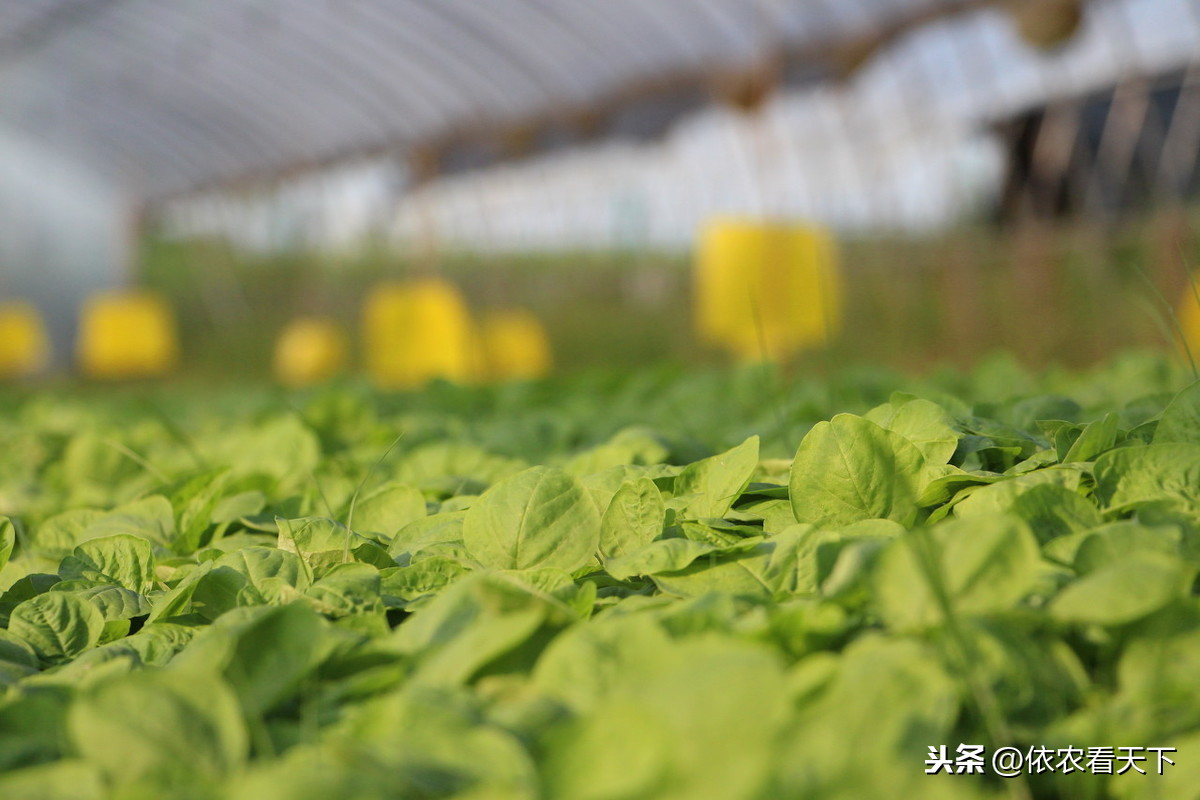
x=261, y=564
x=857, y=717
x=1181, y=419
x=401, y=585
x=849, y=469
x=663, y=555
x=115, y=602
x=389, y=509
x=57, y=625
x=999, y=497
x=148, y=518
x=474, y=621
x=236, y=506
x=707, y=489
x=1118, y=541
x=8, y=540
x=441, y=528
x=1096, y=438
x=347, y=589
x=541, y=517
x=59, y=534
x=264, y=653
x=1157, y=474
x=975, y=566
x=193, y=500
x=122, y=560
x=169, y=727
x=701, y=720
x=924, y=423
x=68, y=779
x=325, y=543
x=634, y=518
x=758, y=570
x=1052, y=510
x=1122, y=592
x=949, y=481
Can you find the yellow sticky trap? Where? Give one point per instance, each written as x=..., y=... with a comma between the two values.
x=766, y=291
x=310, y=350
x=126, y=334
x=515, y=346
x=416, y=331
x=1189, y=315
x=24, y=345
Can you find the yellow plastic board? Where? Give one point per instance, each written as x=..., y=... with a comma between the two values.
x=24, y=345
x=310, y=350
x=1189, y=315
x=515, y=346
x=416, y=331
x=126, y=334
x=765, y=291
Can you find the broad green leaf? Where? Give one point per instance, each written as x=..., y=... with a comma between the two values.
x=924, y=423
x=700, y=719
x=220, y=590
x=324, y=543
x=8, y=540
x=57, y=625
x=148, y=518
x=158, y=642
x=541, y=517
x=115, y=602
x=602, y=486
x=662, y=555
x=1035, y=677
x=1122, y=592
x=33, y=725
x=193, y=500
x=401, y=585
x=1181, y=419
x=259, y=564
x=775, y=514
x=586, y=663
x=122, y=560
x=445, y=526
x=999, y=497
x=849, y=469
x=1096, y=438
x=68, y=779
x=758, y=570
x=177, y=601
x=170, y=727
x=264, y=653
x=16, y=651
x=59, y=534
x=975, y=566
x=707, y=489
x=1118, y=541
x=347, y=589
x=634, y=518
x=857, y=717
x=949, y=482
x=236, y=506
x=1158, y=474
x=388, y=509
x=475, y=620
x=283, y=448
x=1052, y=510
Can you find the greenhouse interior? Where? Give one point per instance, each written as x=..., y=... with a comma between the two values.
x=538, y=399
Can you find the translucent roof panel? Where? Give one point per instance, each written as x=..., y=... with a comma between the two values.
x=163, y=97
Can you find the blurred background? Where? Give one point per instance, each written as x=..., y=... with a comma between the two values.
x=300, y=188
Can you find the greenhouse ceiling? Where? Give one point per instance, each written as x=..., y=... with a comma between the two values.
x=166, y=97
